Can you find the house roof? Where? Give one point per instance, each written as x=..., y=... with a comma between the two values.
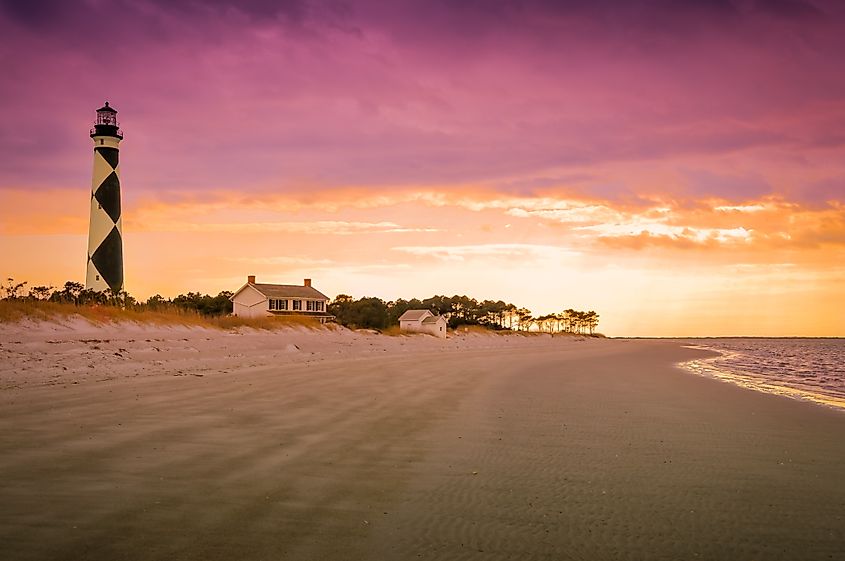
x=414, y=315
x=289, y=291
x=433, y=319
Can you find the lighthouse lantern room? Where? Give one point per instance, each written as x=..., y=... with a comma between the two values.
x=106, y=124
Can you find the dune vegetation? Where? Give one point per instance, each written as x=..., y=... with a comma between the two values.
x=19, y=301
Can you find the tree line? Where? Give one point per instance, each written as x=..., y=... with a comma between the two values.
x=75, y=293
x=375, y=313
x=367, y=312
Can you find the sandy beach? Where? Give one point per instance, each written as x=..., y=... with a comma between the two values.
x=147, y=443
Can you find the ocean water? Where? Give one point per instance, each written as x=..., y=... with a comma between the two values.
x=808, y=369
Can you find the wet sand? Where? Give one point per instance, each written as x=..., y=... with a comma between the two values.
x=545, y=449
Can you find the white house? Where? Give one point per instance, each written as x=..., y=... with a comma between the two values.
x=258, y=299
x=423, y=321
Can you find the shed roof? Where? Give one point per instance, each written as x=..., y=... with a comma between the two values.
x=433, y=319
x=289, y=291
x=414, y=315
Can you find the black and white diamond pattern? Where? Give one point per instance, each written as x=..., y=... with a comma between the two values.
x=105, y=239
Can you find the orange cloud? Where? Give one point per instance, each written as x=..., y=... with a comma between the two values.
x=655, y=258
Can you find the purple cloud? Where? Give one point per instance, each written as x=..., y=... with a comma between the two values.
x=275, y=95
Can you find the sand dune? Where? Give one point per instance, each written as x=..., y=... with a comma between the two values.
x=75, y=350
x=193, y=444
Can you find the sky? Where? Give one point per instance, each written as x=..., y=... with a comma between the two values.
x=678, y=167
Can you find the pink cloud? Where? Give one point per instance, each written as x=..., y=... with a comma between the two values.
x=282, y=96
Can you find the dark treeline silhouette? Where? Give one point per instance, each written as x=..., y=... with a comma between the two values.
x=76, y=294
x=368, y=312
x=375, y=313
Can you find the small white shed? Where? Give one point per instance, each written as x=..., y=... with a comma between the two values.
x=423, y=321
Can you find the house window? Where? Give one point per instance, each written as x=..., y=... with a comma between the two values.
x=297, y=304
x=318, y=306
x=279, y=305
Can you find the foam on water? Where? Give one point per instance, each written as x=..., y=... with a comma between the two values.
x=808, y=369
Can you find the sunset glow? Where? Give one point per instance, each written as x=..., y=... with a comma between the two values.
x=677, y=167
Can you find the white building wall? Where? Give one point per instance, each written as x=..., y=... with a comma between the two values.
x=250, y=303
x=408, y=325
x=437, y=329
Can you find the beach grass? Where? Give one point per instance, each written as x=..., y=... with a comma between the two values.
x=17, y=310
x=266, y=323
x=395, y=331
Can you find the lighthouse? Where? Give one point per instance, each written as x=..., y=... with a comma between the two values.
x=105, y=230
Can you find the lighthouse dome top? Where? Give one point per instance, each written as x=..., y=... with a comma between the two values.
x=106, y=124
x=107, y=109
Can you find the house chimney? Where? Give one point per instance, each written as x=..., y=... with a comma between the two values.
x=251, y=279
x=307, y=282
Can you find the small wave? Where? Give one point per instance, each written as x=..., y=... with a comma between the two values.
x=807, y=369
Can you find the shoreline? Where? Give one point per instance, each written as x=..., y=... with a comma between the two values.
x=371, y=447
x=78, y=330
x=709, y=367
